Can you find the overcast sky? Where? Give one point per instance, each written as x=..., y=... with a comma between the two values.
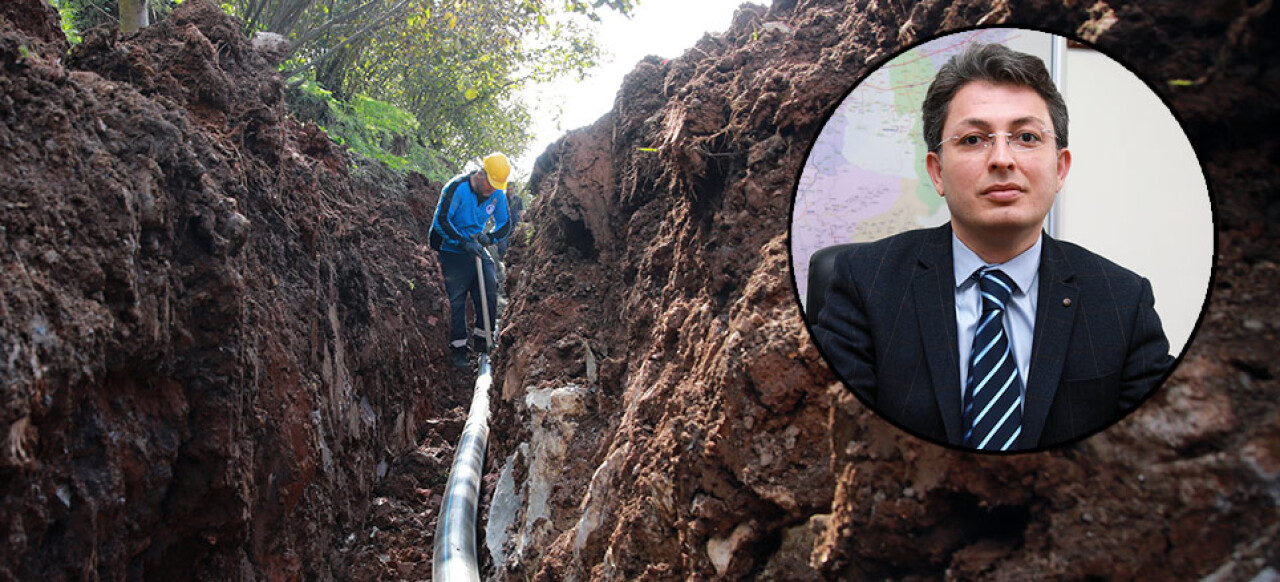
x=666, y=28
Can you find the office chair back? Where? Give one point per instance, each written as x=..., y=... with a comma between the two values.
x=821, y=271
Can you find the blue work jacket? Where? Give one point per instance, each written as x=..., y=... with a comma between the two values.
x=461, y=214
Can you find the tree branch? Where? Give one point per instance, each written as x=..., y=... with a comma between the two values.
x=372, y=26
x=323, y=28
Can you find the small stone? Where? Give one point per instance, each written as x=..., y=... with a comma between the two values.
x=776, y=27
x=1086, y=517
x=237, y=230
x=1254, y=325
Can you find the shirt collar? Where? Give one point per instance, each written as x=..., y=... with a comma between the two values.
x=1022, y=268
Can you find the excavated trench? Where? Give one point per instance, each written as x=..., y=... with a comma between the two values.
x=222, y=338
x=665, y=416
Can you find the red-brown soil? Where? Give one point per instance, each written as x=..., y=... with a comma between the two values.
x=219, y=333
x=712, y=440
x=222, y=341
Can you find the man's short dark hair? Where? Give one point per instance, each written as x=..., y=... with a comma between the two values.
x=996, y=64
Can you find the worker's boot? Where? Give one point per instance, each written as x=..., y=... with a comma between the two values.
x=478, y=344
x=460, y=357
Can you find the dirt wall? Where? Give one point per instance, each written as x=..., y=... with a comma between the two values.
x=218, y=330
x=708, y=439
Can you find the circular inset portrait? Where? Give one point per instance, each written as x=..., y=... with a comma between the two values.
x=1001, y=239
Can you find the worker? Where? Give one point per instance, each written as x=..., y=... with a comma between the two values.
x=466, y=204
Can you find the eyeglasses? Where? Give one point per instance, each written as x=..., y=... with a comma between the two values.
x=1023, y=140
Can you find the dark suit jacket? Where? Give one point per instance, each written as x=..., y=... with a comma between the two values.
x=889, y=330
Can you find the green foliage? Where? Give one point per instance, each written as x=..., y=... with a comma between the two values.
x=81, y=15
x=592, y=8
x=372, y=128
x=382, y=116
x=459, y=66
x=474, y=60
x=68, y=17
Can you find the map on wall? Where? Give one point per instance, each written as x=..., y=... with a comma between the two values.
x=865, y=177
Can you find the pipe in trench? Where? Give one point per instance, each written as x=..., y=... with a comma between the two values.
x=454, y=555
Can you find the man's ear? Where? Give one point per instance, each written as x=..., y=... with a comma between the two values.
x=1064, y=165
x=934, y=164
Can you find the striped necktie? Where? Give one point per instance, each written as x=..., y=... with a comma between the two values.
x=993, y=393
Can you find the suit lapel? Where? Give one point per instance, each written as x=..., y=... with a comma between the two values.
x=1056, y=306
x=935, y=298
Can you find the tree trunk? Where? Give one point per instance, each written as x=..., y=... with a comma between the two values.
x=133, y=16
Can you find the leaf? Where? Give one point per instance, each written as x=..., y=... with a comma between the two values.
x=426, y=63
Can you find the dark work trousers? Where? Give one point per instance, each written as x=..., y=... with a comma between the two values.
x=459, y=281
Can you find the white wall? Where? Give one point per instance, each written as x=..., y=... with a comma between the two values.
x=1135, y=193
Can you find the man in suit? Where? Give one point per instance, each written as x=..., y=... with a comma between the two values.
x=985, y=332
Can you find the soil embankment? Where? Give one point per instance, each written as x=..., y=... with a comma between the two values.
x=222, y=343
x=219, y=333
x=666, y=417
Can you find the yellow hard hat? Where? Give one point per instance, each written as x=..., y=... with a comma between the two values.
x=497, y=168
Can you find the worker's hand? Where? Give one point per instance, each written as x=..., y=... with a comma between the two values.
x=473, y=247
x=484, y=239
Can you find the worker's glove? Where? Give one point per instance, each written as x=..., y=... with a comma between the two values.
x=473, y=247
x=484, y=239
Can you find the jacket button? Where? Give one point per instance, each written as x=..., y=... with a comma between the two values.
x=1066, y=302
